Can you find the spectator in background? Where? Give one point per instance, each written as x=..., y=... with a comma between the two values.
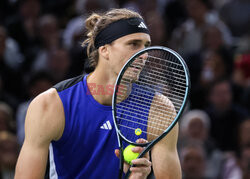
x=132, y=5
x=9, y=50
x=49, y=34
x=243, y=152
x=225, y=115
x=241, y=79
x=236, y=14
x=193, y=161
x=60, y=8
x=206, y=67
x=7, y=122
x=212, y=61
x=157, y=27
x=82, y=9
x=213, y=41
x=243, y=45
x=9, y=150
x=213, y=67
x=6, y=97
x=38, y=83
x=187, y=38
x=7, y=8
x=23, y=27
x=242, y=70
x=195, y=126
x=78, y=54
x=244, y=133
x=220, y=3
x=59, y=63
x=244, y=161
x=10, y=60
x=174, y=15
x=74, y=32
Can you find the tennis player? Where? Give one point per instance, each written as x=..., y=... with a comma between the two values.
x=72, y=122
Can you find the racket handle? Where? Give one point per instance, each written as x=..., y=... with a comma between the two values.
x=121, y=164
x=128, y=172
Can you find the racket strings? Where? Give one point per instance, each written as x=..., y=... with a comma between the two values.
x=174, y=75
x=138, y=102
x=131, y=128
x=156, y=79
x=156, y=70
x=154, y=63
x=161, y=127
x=159, y=78
x=152, y=77
x=156, y=73
x=176, y=93
x=146, y=115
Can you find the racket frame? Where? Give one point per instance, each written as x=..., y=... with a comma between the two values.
x=148, y=146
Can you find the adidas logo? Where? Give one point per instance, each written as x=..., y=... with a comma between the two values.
x=106, y=126
x=142, y=25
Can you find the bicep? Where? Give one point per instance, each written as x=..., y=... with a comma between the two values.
x=165, y=158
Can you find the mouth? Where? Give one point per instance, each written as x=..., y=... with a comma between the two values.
x=136, y=67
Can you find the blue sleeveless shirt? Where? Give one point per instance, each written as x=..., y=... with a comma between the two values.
x=86, y=148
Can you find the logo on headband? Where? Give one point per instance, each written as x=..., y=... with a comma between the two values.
x=142, y=25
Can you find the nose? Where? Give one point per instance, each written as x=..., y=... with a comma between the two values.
x=143, y=57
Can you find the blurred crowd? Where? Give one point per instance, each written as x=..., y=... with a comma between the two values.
x=40, y=45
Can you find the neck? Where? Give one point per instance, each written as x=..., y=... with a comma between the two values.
x=101, y=85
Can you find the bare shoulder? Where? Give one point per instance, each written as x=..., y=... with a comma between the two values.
x=161, y=114
x=44, y=122
x=46, y=115
x=163, y=102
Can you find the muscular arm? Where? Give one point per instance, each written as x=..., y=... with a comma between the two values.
x=165, y=160
x=44, y=122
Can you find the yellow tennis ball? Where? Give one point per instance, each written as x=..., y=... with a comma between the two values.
x=129, y=155
x=138, y=131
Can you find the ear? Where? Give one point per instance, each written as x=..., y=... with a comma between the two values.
x=103, y=51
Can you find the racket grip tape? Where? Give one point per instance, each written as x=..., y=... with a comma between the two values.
x=121, y=163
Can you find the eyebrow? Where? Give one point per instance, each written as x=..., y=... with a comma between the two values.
x=139, y=41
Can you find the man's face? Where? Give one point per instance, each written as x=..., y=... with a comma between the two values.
x=123, y=48
x=193, y=162
x=221, y=96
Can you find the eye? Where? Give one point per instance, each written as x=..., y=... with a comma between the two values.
x=134, y=44
x=147, y=44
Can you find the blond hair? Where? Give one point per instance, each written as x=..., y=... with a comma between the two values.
x=96, y=22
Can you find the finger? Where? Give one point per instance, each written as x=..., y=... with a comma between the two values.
x=117, y=153
x=141, y=141
x=126, y=165
x=139, y=149
x=143, y=167
x=145, y=170
x=142, y=162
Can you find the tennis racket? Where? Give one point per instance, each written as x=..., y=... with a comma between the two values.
x=150, y=94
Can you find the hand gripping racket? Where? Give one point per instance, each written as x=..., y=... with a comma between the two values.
x=150, y=94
